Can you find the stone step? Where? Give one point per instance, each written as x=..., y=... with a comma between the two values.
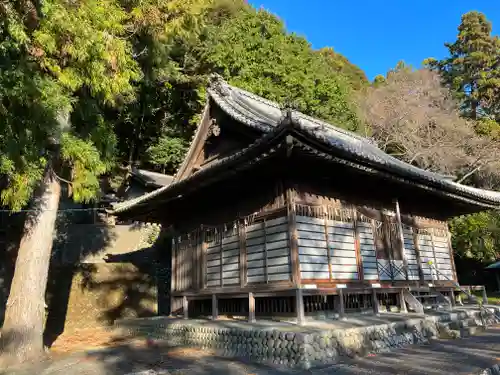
x=459, y=329
x=458, y=324
x=471, y=331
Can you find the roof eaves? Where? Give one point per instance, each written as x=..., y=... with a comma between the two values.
x=230, y=100
x=252, y=151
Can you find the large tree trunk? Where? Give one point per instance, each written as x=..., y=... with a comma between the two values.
x=22, y=332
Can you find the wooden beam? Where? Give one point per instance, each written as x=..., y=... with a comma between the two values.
x=402, y=302
x=417, y=252
x=215, y=308
x=243, y=253
x=266, y=271
x=293, y=234
x=401, y=237
x=299, y=306
x=251, y=308
x=204, y=247
x=452, y=297
x=341, y=307
x=375, y=302
x=185, y=307
x=175, y=266
x=327, y=239
x=434, y=262
x=452, y=258
x=357, y=245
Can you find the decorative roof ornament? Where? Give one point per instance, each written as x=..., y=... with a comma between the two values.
x=287, y=112
x=219, y=85
x=214, y=128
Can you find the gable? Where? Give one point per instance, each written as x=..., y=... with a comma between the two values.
x=218, y=136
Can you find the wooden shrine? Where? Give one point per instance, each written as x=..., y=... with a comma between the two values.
x=274, y=212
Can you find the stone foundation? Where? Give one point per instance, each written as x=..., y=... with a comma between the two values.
x=290, y=345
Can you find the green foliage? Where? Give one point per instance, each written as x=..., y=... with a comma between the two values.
x=80, y=45
x=48, y=57
x=472, y=69
x=472, y=72
x=85, y=165
x=253, y=51
x=355, y=76
x=476, y=236
x=167, y=154
x=378, y=80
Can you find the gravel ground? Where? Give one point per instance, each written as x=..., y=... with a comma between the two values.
x=466, y=356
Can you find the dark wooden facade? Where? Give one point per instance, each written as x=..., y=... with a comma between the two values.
x=270, y=205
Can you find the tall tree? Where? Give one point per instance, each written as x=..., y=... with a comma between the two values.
x=48, y=54
x=253, y=51
x=472, y=70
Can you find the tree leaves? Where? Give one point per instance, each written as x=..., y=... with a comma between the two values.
x=472, y=69
x=43, y=67
x=476, y=236
x=167, y=154
x=253, y=51
x=85, y=165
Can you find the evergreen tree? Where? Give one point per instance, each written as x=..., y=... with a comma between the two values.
x=472, y=69
x=48, y=54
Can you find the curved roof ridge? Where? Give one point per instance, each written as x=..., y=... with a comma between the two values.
x=236, y=102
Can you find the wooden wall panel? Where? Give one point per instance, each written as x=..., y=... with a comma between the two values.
x=318, y=247
x=313, y=250
x=185, y=271
x=268, y=251
x=425, y=247
x=342, y=249
x=442, y=255
x=410, y=254
x=223, y=257
x=368, y=250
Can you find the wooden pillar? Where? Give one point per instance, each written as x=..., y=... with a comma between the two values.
x=357, y=245
x=417, y=252
x=185, y=307
x=452, y=258
x=401, y=237
x=341, y=308
x=203, y=258
x=294, y=247
x=375, y=302
x=485, y=296
x=215, y=312
x=402, y=302
x=327, y=240
x=174, y=266
x=299, y=306
x=452, y=297
x=434, y=268
x=251, y=308
x=243, y=253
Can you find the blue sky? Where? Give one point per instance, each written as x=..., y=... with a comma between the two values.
x=375, y=35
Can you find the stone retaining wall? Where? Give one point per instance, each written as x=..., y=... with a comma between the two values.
x=289, y=346
x=493, y=370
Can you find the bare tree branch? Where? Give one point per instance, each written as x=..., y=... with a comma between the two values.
x=413, y=117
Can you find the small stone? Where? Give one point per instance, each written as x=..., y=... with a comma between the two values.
x=322, y=343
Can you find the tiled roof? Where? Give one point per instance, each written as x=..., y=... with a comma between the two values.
x=150, y=178
x=265, y=116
